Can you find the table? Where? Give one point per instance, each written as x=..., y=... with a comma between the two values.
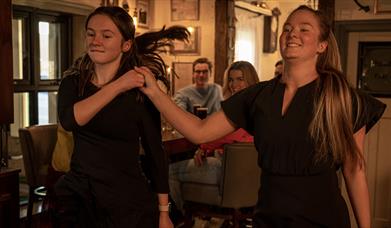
x=177, y=146
x=9, y=197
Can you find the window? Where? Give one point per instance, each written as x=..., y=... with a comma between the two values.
x=40, y=54
x=248, y=37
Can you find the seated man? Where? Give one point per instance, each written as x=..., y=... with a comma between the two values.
x=206, y=165
x=208, y=95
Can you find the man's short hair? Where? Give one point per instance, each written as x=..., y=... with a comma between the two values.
x=203, y=60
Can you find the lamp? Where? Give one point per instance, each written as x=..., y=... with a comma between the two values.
x=260, y=4
x=135, y=19
x=255, y=7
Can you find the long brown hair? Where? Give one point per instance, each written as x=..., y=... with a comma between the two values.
x=332, y=124
x=145, y=48
x=249, y=73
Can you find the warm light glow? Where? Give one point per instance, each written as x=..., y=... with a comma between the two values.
x=191, y=29
x=135, y=19
x=248, y=55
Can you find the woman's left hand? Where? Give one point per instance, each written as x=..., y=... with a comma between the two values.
x=164, y=220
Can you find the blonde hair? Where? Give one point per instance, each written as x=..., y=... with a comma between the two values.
x=249, y=73
x=332, y=125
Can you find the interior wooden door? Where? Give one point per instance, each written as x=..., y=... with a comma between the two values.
x=377, y=143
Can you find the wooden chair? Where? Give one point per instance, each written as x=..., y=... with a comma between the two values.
x=37, y=143
x=235, y=196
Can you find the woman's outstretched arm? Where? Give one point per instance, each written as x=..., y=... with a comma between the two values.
x=196, y=130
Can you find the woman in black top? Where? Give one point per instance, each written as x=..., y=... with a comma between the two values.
x=106, y=185
x=307, y=124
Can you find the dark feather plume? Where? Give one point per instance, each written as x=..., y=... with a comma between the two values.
x=149, y=46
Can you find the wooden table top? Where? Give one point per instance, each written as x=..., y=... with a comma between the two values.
x=174, y=143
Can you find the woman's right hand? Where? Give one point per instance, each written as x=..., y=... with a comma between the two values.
x=199, y=157
x=150, y=87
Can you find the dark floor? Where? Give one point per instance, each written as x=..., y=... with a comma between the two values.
x=38, y=220
x=35, y=219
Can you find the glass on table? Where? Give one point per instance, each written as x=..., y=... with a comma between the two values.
x=195, y=107
x=202, y=112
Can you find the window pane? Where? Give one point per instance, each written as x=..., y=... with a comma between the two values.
x=17, y=46
x=49, y=43
x=21, y=113
x=47, y=107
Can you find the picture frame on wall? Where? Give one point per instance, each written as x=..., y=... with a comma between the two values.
x=182, y=75
x=270, y=31
x=382, y=6
x=182, y=10
x=190, y=47
x=143, y=13
x=374, y=68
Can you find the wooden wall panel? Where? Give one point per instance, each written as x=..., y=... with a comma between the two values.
x=6, y=86
x=224, y=38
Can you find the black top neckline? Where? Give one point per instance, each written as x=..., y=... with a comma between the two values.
x=301, y=90
x=302, y=87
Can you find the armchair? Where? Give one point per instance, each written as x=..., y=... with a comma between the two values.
x=238, y=188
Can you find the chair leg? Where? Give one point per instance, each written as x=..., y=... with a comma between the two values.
x=188, y=220
x=30, y=208
x=236, y=218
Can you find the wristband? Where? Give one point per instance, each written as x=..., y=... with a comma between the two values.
x=164, y=207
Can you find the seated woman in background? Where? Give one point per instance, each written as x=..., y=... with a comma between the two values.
x=203, y=169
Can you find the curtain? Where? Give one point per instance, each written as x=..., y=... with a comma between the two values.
x=249, y=37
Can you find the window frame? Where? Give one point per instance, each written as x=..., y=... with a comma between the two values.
x=31, y=81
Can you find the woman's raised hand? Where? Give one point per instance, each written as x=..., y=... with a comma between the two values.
x=129, y=80
x=150, y=87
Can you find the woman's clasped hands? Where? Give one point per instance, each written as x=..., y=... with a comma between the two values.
x=150, y=84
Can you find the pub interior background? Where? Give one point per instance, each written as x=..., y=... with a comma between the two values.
x=41, y=38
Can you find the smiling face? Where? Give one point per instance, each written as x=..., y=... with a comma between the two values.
x=236, y=81
x=201, y=75
x=104, y=41
x=300, y=37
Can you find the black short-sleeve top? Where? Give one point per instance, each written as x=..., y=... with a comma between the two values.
x=106, y=152
x=285, y=148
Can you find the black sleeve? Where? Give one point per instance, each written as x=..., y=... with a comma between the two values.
x=367, y=111
x=67, y=97
x=239, y=108
x=156, y=161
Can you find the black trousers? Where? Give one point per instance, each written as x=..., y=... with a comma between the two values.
x=76, y=211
